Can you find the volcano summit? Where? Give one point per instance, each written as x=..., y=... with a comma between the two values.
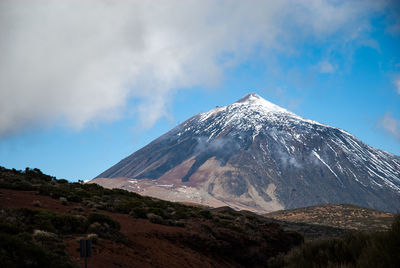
x=258, y=156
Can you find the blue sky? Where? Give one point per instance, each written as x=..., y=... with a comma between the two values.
x=83, y=85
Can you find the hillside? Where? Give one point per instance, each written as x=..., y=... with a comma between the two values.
x=42, y=218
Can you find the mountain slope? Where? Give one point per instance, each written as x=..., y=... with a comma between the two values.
x=258, y=156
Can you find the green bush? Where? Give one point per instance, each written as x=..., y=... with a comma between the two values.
x=93, y=237
x=43, y=220
x=178, y=224
x=127, y=205
x=35, y=175
x=29, y=220
x=23, y=185
x=43, y=236
x=181, y=213
x=10, y=228
x=139, y=212
x=159, y=212
x=101, y=218
x=16, y=252
x=18, y=249
x=63, y=201
x=154, y=218
x=36, y=203
x=21, y=251
x=69, y=224
x=205, y=214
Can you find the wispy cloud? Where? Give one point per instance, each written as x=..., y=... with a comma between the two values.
x=80, y=61
x=326, y=67
x=390, y=125
x=397, y=84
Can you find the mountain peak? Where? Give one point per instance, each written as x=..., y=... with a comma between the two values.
x=249, y=97
x=254, y=99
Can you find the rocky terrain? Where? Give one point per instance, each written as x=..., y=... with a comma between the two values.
x=257, y=156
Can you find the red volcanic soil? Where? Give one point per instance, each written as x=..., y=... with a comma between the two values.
x=149, y=245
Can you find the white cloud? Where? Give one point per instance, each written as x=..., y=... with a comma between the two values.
x=397, y=83
x=326, y=67
x=390, y=124
x=79, y=61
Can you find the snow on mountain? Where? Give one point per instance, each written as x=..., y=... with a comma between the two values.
x=255, y=155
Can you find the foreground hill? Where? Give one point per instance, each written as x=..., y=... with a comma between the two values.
x=257, y=156
x=41, y=220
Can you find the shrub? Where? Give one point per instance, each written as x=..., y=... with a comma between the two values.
x=43, y=236
x=63, y=201
x=21, y=251
x=18, y=184
x=104, y=231
x=78, y=210
x=230, y=225
x=36, y=203
x=97, y=228
x=127, y=206
x=69, y=224
x=51, y=222
x=155, y=218
x=74, y=198
x=103, y=219
x=205, y=214
x=139, y=213
x=16, y=252
x=396, y=225
x=158, y=211
x=181, y=213
x=93, y=237
x=207, y=228
x=43, y=220
x=10, y=228
x=179, y=224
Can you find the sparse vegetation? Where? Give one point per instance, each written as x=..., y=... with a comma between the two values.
x=225, y=234
x=34, y=237
x=43, y=231
x=357, y=249
x=22, y=246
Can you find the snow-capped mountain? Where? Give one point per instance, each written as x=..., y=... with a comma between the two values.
x=258, y=156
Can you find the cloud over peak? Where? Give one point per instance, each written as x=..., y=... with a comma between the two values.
x=79, y=61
